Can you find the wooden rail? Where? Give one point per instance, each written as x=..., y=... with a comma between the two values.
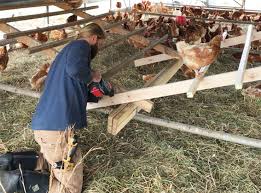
x=36, y=16
x=61, y=26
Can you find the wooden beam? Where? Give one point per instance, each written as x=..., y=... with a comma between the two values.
x=146, y=105
x=244, y=59
x=116, y=68
x=193, y=87
x=66, y=6
x=239, y=40
x=209, y=82
x=124, y=37
x=26, y=40
x=52, y=44
x=36, y=16
x=61, y=26
x=152, y=59
x=120, y=117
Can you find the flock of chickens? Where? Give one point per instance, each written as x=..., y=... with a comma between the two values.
x=197, y=42
x=38, y=78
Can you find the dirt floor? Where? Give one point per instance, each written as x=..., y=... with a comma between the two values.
x=146, y=158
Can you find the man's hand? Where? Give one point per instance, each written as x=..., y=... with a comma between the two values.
x=96, y=76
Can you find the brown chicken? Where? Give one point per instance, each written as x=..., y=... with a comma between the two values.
x=148, y=77
x=71, y=18
x=40, y=37
x=236, y=14
x=58, y=34
x=252, y=58
x=3, y=58
x=200, y=55
x=188, y=73
x=37, y=80
x=194, y=33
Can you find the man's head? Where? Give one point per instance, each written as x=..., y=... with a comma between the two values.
x=93, y=34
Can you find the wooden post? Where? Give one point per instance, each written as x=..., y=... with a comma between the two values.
x=28, y=32
x=116, y=68
x=27, y=17
x=244, y=59
x=194, y=86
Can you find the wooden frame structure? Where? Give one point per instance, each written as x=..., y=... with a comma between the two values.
x=131, y=102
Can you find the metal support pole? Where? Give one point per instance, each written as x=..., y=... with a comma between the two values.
x=47, y=18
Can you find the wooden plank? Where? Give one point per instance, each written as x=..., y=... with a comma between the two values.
x=126, y=112
x=36, y=16
x=152, y=59
x=244, y=58
x=196, y=81
x=239, y=40
x=27, y=40
x=209, y=82
x=52, y=44
x=54, y=27
x=146, y=105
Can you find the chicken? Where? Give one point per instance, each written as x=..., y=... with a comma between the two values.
x=40, y=37
x=253, y=91
x=148, y=77
x=37, y=80
x=188, y=73
x=71, y=18
x=236, y=14
x=194, y=33
x=200, y=55
x=118, y=16
x=3, y=58
x=58, y=34
x=118, y=5
x=252, y=58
